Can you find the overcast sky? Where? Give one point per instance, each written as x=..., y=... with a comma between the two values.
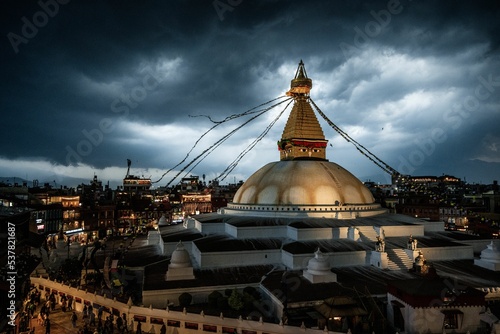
x=87, y=85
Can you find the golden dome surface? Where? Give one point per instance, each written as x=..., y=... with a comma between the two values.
x=303, y=182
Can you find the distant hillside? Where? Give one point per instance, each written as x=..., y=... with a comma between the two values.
x=12, y=180
x=55, y=182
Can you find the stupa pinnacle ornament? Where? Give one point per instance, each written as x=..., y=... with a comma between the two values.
x=302, y=137
x=301, y=84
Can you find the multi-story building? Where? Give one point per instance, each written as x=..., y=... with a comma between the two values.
x=419, y=206
x=48, y=218
x=135, y=185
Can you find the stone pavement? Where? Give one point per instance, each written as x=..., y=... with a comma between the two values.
x=60, y=323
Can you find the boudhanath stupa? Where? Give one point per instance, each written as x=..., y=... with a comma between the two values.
x=307, y=220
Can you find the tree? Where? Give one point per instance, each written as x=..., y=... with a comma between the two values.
x=213, y=299
x=70, y=271
x=222, y=303
x=185, y=299
x=235, y=301
x=250, y=290
x=250, y=296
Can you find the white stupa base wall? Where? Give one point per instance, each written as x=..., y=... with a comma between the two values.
x=379, y=260
x=488, y=265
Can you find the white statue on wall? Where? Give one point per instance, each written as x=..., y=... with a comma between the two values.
x=412, y=243
x=380, y=244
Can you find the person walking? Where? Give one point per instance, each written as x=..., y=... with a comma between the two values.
x=92, y=319
x=119, y=323
x=63, y=305
x=74, y=317
x=99, y=312
x=52, y=300
x=70, y=303
x=47, y=326
x=139, y=329
x=163, y=329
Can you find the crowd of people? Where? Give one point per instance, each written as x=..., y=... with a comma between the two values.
x=89, y=321
x=93, y=324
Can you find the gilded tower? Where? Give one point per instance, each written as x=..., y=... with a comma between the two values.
x=302, y=138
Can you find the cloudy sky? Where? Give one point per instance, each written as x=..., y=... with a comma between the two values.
x=87, y=85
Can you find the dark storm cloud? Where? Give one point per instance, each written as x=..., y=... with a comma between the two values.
x=100, y=71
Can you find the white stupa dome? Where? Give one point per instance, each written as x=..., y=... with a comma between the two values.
x=318, y=269
x=180, y=257
x=491, y=253
x=490, y=257
x=319, y=264
x=180, y=267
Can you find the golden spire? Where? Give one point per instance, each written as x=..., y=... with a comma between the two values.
x=302, y=137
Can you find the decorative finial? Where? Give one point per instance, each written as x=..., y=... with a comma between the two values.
x=301, y=85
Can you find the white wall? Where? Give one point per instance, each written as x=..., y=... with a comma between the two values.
x=253, y=232
x=403, y=230
x=239, y=258
x=211, y=228
x=447, y=253
x=243, y=324
x=310, y=233
x=430, y=319
x=477, y=245
x=161, y=298
x=317, y=233
x=423, y=320
x=337, y=259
